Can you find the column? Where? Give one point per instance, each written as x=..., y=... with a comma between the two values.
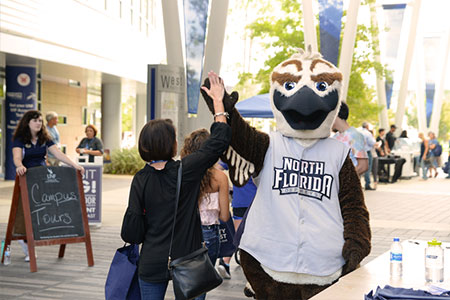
x=308, y=24
x=111, y=115
x=213, y=57
x=407, y=66
x=172, y=33
x=348, y=45
x=139, y=115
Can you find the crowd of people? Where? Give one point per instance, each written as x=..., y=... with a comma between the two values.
x=206, y=185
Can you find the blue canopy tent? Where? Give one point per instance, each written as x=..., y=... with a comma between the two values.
x=255, y=107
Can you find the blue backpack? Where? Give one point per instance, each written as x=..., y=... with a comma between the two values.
x=437, y=151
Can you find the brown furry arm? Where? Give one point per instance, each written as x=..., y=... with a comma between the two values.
x=245, y=156
x=357, y=233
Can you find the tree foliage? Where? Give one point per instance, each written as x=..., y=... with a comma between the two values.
x=282, y=36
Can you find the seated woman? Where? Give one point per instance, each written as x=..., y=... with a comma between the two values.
x=90, y=145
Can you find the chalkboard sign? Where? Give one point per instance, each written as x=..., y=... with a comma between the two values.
x=50, y=202
x=54, y=198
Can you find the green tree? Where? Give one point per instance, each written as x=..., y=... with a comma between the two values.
x=282, y=36
x=127, y=114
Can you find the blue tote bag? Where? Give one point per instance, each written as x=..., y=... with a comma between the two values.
x=122, y=281
x=226, y=231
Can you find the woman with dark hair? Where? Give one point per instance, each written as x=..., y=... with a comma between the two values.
x=213, y=200
x=31, y=144
x=90, y=145
x=151, y=206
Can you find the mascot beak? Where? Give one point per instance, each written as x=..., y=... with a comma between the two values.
x=305, y=110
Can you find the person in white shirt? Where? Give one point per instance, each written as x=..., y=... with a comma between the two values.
x=52, y=121
x=369, y=147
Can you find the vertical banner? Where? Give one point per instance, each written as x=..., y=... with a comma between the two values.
x=431, y=46
x=330, y=16
x=92, y=183
x=20, y=97
x=195, y=18
x=393, y=20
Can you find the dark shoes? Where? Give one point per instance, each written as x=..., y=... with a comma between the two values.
x=368, y=188
x=223, y=269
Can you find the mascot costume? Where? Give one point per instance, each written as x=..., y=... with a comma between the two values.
x=308, y=224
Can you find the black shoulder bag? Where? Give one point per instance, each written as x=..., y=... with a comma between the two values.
x=193, y=274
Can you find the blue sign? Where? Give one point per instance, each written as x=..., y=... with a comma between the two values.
x=430, y=89
x=20, y=98
x=330, y=16
x=92, y=183
x=195, y=18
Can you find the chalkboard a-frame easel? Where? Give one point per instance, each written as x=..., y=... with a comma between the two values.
x=54, y=211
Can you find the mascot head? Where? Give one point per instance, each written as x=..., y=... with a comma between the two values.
x=304, y=95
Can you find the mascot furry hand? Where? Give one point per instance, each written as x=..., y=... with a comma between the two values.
x=308, y=224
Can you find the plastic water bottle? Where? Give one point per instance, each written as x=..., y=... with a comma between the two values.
x=434, y=262
x=7, y=259
x=396, y=259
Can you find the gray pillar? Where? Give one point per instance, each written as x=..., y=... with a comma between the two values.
x=213, y=58
x=403, y=91
x=111, y=115
x=172, y=33
x=348, y=45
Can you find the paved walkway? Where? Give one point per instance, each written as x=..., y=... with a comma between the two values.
x=410, y=209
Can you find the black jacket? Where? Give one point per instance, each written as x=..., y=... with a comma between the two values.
x=153, y=191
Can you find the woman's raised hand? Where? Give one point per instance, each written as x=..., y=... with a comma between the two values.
x=216, y=90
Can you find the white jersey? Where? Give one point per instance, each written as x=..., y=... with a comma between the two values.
x=295, y=222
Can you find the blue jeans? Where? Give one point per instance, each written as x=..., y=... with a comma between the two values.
x=152, y=291
x=212, y=242
x=369, y=170
x=424, y=169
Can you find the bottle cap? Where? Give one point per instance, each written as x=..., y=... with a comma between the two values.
x=434, y=242
x=396, y=239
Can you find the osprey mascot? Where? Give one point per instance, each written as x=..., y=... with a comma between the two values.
x=308, y=223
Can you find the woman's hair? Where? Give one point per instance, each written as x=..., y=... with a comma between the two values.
x=23, y=131
x=93, y=128
x=404, y=134
x=157, y=140
x=192, y=143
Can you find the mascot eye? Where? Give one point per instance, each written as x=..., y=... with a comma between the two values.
x=321, y=86
x=289, y=85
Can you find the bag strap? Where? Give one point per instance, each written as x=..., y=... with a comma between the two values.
x=177, y=198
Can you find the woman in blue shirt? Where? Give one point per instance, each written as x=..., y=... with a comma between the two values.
x=31, y=143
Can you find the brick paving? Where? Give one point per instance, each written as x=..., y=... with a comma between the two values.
x=409, y=209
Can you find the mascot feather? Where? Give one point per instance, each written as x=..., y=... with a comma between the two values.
x=308, y=224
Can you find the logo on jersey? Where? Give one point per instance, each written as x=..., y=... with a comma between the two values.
x=303, y=177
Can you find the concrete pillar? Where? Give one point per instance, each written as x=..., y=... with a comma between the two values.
x=213, y=58
x=348, y=45
x=407, y=66
x=111, y=115
x=381, y=89
x=140, y=115
x=172, y=33
x=440, y=82
x=308, y=24
x=421, y=97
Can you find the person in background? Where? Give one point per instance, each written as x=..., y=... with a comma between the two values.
x=52, y=120
x=242, y=198
x=369, y=146
x=152, y=195
x=390, y=138
x=352, y=138
x=381, y=146
x=213, y=200
x=31, y=143
x=404, y=134
x=435, y=154
x=424, y=149
x=90, y=145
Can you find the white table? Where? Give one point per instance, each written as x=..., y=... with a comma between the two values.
x=376, y=273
